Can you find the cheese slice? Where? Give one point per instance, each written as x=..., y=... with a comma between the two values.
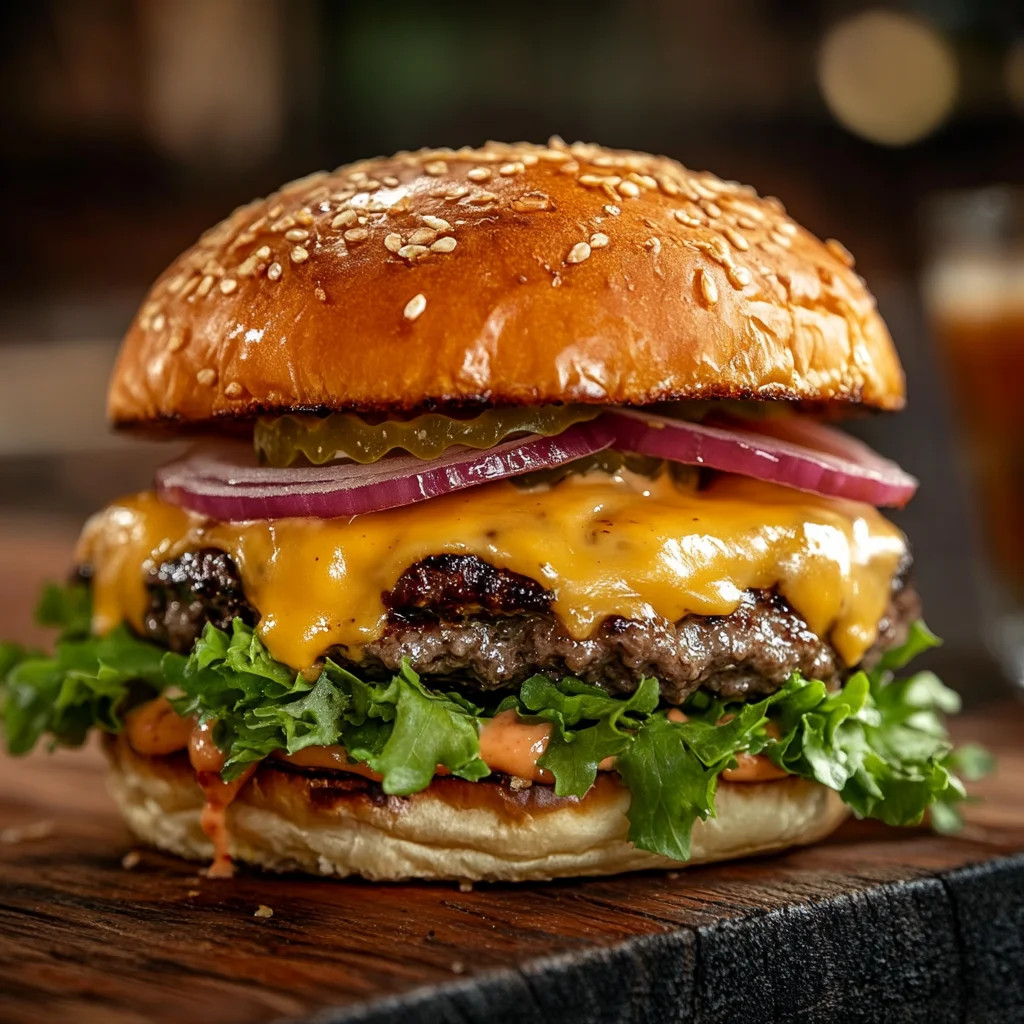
x=603, y=545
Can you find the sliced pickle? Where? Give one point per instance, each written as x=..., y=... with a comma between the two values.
x=611, y=462
x=281, y=440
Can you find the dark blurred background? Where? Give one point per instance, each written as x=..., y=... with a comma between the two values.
x=129, y=126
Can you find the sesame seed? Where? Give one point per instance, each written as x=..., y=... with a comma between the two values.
x=643, y=180
x=437, y=223
x=612, y=210
x=304, y=216
x=746, y=222
x=445, y=244
x=415, y=306
x=578, y=253
x=188, y=286
x=591, y=180
x=320, y=294
x=530, y=160
x=233, y=390
x=274, y=272
x=455, y=193
x=840, y=251
x=158, y=322
x=598, y=241
x=483, y=198
x=708, y=287
x=263, y=911
x=653, y=245
x=205, y=285
x=176, y=342
x=411, y=252
x=478, y=173
x=530, y=202
x=393, y=242
x=422, y=236
x=390, y=181
x=569, y=167
x=739, y=277
x=736, y=239
x=228, y=285
x=206, y=376
x=686, y=218
x=263, y=252
x=713, y=210
x=435, y=168
x=132, y=859
x=283, y=224
x=780, y=239
x=356, y=235
x=630, y=188
x=297, y=235
x=275, y=211
x=299, y=255
x=787, y=227
x=344, y=219
x=516, y=167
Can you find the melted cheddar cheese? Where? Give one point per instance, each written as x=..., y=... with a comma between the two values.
x=603, y=545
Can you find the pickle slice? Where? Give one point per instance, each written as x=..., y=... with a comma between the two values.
x=686, y=478
x=281, y=440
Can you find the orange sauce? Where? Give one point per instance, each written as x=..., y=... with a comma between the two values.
x=752, y=768
x=155, y=728
x=511, y=746
x=507, y=745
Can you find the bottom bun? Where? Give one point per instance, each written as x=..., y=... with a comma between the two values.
x=332, y=823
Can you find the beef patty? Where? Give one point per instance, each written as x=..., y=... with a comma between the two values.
x=457, y=617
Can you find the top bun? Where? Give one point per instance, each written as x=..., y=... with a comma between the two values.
x=507, y=275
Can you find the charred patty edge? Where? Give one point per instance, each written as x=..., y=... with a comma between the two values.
x=459, y=619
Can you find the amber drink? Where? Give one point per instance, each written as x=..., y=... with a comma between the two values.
x=974, y=289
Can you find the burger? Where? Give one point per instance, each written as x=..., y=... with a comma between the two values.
x=514, y=542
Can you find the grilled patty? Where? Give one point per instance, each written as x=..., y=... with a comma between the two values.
x=457, y=617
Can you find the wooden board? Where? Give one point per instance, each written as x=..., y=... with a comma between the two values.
x=875, y=924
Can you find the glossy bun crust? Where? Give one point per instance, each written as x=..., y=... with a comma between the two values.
x=502, y=276
x=333, y=824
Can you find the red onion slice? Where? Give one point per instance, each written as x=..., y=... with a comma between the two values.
x=226, y=483
x=802, y=454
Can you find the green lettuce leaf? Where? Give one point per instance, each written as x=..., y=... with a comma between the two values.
x=572, y=753
x=428, y=729
x=87, y=682
x=400, y=729
x=880, y=742
x=670, y=788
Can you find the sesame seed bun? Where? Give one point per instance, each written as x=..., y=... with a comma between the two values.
x=331, y=824
x=508, y=275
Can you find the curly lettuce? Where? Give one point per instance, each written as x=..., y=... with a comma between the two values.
x=880, y=742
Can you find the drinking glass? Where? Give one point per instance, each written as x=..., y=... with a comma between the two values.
x=974, y=295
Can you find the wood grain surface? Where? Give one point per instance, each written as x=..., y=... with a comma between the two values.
x=875, y=924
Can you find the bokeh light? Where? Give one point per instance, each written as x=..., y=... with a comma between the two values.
x=887, y=77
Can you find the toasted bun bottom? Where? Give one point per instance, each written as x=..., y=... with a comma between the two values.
x=333, y=824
